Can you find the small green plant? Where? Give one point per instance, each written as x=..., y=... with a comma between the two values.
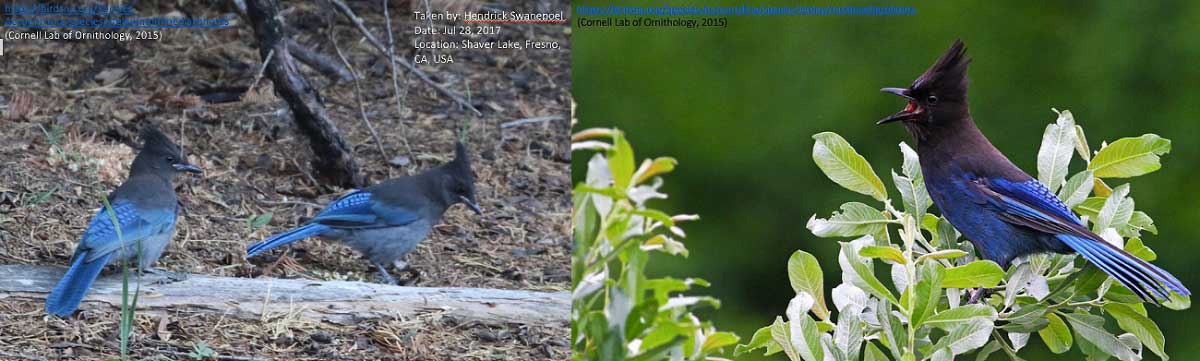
x=258, y=221
x=128, y=299
x=617, y=312
x=922, y=316
x=201, y=351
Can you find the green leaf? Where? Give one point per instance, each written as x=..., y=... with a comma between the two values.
x=1130, y=157
x=805, y=275
x=1090, y=329
x=1077, y=189
x=1081, y=145
x=912, y=163
x=848, y=335
x=260, y=220
x=649, y=169
x=947, y=234
x=943, y=254
x=1117, y=210
x=887, y=253
x=1140, y=326
x=927, y=293
x=855, y=219
x=1140, y=221
x=966, y=336
x=1091, y=207
x=1054, y=156
x=912, y=192
x=949, y=318
x=873, y=353
x=864, y=275
x=986, y=274
x=620, y=161
x=844, y=166
x=718, y=340
x=1056, y=335
x=1135, y=247
x=805, y=337
x=761, y=339
x=781, y=333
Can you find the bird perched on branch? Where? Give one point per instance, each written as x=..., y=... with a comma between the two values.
x=386, y=221
x=1003, y=211
x=144, y=208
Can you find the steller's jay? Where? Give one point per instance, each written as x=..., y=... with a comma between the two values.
x=386, y=221
x=144, y=207
x=1003, y=211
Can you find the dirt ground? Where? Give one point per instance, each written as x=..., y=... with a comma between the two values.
x=68, y=105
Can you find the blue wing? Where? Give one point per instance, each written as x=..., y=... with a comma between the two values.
x=360, y=210
x=357, y=210
x=101, y=236
x=1029, y=204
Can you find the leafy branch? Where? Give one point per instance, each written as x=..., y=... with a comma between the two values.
x=922, y=314
x=617, y=312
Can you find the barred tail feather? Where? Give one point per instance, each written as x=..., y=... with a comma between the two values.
x=69, y=292
x=1141, y=277
x=290, y=236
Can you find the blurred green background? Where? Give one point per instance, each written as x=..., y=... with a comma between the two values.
x=737, y=107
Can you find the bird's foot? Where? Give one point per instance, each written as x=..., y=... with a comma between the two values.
x=979, y=294
x=384, y=276
x=167, y=276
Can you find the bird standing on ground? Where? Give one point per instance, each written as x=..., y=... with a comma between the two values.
x=1003, y=211
x=144, y=207
x=386, y=221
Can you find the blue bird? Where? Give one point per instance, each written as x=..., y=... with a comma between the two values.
x=386, y=221
x=1003, y=211
x=144, y=207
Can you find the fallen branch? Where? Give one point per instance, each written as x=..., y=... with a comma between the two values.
x=325, y=64
x=517, y=122
x=340, y=302
x=383, y=50
x=334, y=160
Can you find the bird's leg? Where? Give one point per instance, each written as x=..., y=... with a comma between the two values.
x=979, y=294
x=168, y=276
x=413, y=273
x=384, y=276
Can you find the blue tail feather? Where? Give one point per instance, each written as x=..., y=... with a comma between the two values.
x=290, y=236
x=1144, y=279
x=69, y=292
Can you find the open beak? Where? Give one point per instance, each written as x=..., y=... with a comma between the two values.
x=471, y=204
x=187, y=167
x=910, y=112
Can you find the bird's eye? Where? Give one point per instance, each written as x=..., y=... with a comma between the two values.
x=170, y=159
x=932, y=99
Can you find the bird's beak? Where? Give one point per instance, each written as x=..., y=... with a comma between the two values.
x=471, y=204
x=911, y=111
x=187, y=167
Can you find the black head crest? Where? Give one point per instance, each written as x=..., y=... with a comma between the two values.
x=461, y=156
x=948, y=75
x=154, y=140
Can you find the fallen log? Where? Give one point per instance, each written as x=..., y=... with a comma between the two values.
x=339, y=302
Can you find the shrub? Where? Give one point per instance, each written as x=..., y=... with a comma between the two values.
x=617, y=312
x=922, y=316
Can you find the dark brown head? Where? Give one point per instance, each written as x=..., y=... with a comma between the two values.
x=459, y=181
x=938, y=97
x=160, y=156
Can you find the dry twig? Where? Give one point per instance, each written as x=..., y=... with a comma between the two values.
x=358, y=22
